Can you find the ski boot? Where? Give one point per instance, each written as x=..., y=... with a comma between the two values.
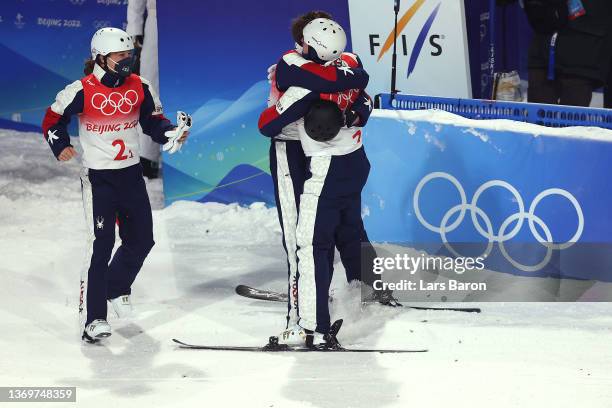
x=295, y=337
x=384, y=297
x=96, y=330
x=122, y=306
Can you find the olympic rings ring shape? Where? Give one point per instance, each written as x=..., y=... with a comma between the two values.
x=520, y=216
x=114, y=102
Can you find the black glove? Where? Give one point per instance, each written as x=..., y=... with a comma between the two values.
x=351, y=118
x=138, y=41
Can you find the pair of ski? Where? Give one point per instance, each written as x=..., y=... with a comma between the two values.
x=273, y=346
x=272, y=296
x=333, y=345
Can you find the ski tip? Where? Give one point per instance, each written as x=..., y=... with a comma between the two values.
x=466, y=309
x=335, y=327
x=389, y=351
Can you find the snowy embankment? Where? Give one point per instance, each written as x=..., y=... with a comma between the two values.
x=511, y=355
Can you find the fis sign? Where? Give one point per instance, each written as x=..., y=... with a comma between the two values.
x=432, y=52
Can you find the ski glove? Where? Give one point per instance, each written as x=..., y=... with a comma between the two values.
x=271, y=73
x=183, y=122
x=351, y=118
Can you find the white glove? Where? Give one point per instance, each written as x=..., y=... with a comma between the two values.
x=274, y=94
x=271, y=73
x=183, y=124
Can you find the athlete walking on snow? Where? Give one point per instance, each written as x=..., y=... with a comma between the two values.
x=110, y=102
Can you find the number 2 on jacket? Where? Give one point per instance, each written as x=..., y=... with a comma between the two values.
x=121, y=155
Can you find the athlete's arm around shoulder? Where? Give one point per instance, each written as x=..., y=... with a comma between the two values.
x=295, y=70
x=293, y=105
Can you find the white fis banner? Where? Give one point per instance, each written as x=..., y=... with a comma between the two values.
x=432, y=51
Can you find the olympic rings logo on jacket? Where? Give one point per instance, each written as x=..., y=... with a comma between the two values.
x=115, y=102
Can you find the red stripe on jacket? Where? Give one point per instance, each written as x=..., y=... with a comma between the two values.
x=51, y=119
x=267, y=116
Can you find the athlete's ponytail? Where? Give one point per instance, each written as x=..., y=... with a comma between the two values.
x=91, y=63
x=89, y=66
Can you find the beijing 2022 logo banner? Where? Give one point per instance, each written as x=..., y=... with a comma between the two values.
x=43, y=44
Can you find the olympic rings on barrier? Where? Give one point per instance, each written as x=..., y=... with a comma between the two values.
x=501, y=237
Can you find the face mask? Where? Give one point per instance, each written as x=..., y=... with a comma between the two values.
x=123, y=68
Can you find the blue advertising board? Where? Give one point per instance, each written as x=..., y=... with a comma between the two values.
x=43, y=44
x=439, y=178
x=213, y=65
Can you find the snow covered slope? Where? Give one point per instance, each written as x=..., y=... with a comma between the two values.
x=511, y=355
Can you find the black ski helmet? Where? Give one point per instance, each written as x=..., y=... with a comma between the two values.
x=323, y=120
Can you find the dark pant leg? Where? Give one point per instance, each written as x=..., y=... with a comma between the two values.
x=136, y=232
x=291, y=263
x=332, y=255
x=348, y=238
x=575, y=90
x=356, y=251
x=319, y=217
x=99, y=200
x=289, y=169
x=541, y=89
x=352, y=240
x=315, y=235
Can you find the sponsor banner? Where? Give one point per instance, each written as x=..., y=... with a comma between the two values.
x=432, y=51
x=531, y=201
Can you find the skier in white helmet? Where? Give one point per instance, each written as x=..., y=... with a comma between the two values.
x=324, y=40
x=110, y=102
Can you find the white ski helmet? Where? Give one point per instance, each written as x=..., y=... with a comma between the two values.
x=109, y=39
x=325, y=37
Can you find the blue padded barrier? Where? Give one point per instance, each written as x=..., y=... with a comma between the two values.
x=540, y=114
